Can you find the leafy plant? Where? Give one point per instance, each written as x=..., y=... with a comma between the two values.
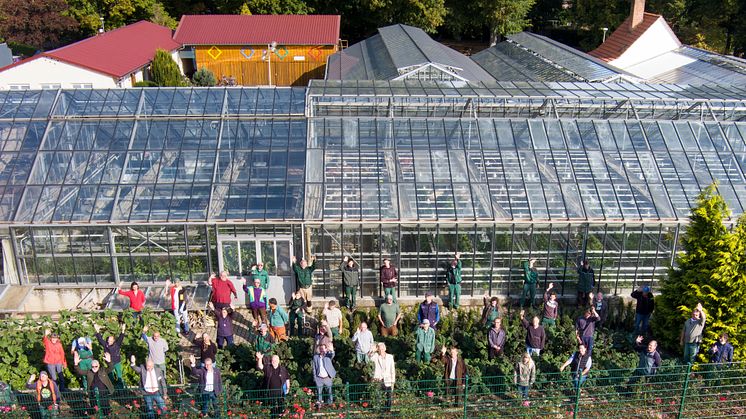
x=204, y=77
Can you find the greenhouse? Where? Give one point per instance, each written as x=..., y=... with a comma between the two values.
x=102, y=186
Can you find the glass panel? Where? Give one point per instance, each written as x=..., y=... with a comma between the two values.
x=230, y=257
x=268, y=256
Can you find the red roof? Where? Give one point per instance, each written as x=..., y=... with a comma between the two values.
x=258, y=29
x=116, y=53
x=623, y=38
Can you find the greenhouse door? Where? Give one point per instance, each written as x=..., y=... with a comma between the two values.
x=237, y=254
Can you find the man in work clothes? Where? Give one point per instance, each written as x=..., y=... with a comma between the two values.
x=258, y=272
x=643, y=309
x=551, y=307
x=389, y=277
x=429, y=310
x=304, y=274
x=691, y=335
x=453, y=277
x=530, y=279
x=586, y=282
x=350, y=280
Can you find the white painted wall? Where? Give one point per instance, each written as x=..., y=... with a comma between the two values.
x=657, y=40
x=48, y=71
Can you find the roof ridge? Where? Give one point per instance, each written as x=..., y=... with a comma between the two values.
x=105, y=33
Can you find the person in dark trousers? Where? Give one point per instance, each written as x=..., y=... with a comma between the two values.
x=643, y=309
x=585, y=328
x=650, y=359
x=209, y=384
x=530, y=279
x=535, y=335
x=491, y=311
x=304, y=275
x=691, y=334
x=100, y=388
x=389, y=278
x=580, y=364
x=722, y=351
x=256, y=301
x=153, y=386
x=350, y=280
x=454, y=373
x=222, y=290
x=453, y=278
x=496, y=339
x=179, y=305
x=225, y=327
x=113, y=347
x=296, y=312
x=54, y=358
x=207, y=349
x=551, y=307
x=276, y=381
x=602, y=308
x=323, y=373
x=524, y=374
x=428, y=310
x=586, y=282
x=46, y=394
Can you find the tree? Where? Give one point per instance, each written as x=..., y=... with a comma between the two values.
x=159, y=16
x=204, y=77
x=164, y=71
x=41, y=24
x=275, y=7
x=711, y=271
x=116, y=13
x=245, y=10
x=505, y=17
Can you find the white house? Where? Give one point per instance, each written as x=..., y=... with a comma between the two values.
x=118, y=58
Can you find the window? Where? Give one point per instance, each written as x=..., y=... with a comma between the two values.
x=19, y=87
x=82, y=86
x=51, y=86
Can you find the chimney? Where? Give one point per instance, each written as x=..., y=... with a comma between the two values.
x=637, y=14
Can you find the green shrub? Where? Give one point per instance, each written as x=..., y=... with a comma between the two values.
x=145, y=83
x=204, y=77
x=164, y=71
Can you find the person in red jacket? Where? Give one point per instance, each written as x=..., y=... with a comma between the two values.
x=222, y=289
x=54, y=358
x=137, y=297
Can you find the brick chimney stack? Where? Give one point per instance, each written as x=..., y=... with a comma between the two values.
x=637, y=14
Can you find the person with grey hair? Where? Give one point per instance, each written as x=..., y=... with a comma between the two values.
x=157, y=348
x=363, y=339
x=100, y=388
x=384, y=371
x=324, y=373
x=424, y=342
x=691, y=334
x=209, y=383
x=153, y=385
x=276, y=381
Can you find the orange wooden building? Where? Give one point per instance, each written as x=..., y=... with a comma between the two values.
x=281, y=50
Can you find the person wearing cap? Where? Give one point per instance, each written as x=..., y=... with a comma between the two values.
x=304, y=275
x=491, y=310
x=389, y=277
x=209, y=383
x=363, y=339
x=153, y=385
x=47, y=394
x=453, y=277
x=179, y=305
x=222, y=290
x=54, y=358
x=586, y=282
x=82, y=349
x=551, y=307
x=225, y=327
x=276, y=381
x=691, y=334
x=263, y=340
x=429, y=310
x=258, y=272
x=278, y=318
x=424, y=342
x=643, y=309
x=256, y=300
x=350, y=280
x=333, y=316
x=113, y=347
x=136, y=297
x=157, y=348
x=99, y=385
x=530, y=279
x=389, y=315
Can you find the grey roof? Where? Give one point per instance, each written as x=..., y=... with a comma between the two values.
x=396, y=50
x=6, y=55
x=709, y=68
x=527, y=56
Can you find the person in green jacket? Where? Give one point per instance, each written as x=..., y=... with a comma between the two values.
x=350, y=280
x=83, y=348
x=453, y=276
x=304, y=274
x=586, y=282
x=263, y=341
x=530, y=279
x=278, y=317
x=258, y=271
x=425, y=343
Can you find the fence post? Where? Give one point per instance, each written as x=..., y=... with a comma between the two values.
x=347, y=399
x=683, y=392
x=466, y=394
x=100, y=412
x=577, y=396
x=224, y=408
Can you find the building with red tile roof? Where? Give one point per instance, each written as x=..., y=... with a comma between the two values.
x=118, y=58
x=240, y=46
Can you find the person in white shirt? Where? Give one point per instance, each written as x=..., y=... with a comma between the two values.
x=153, y=385
x=333, y=316
x=384, y=372
x=209, y=381
x=363, y=339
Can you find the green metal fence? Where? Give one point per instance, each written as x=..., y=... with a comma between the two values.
x=702, y=391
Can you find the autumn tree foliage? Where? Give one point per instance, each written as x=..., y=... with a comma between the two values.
x=38, y=23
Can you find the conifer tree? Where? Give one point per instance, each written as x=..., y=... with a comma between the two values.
x=164, y=71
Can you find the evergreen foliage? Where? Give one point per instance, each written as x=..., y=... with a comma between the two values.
x=164, y=71
x=204, y=77
x=711, y=271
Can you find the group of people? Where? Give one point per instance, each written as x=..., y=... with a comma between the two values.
x=271, y=323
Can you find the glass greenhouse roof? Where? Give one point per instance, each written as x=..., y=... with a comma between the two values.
x=287, y=154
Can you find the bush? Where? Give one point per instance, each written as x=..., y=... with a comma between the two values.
x=204, y=77
x=164, y=71
x=145, y=83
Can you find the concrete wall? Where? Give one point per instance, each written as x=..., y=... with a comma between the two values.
x=45, y=70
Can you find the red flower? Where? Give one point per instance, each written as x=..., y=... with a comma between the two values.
x=723, y=398
x=185, y=414
x=230, y=413
x=430, y=394
x=95, y=408
x=341, y=415
x=365, y=404
x=179, y=391
x=191, y=402
x=658, y=400
x=158, y=411
x=341, y=405
x=305, y=389
x=526, y=403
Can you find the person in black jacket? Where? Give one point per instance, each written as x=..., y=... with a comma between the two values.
x=99, y=385
x=350, y=280
x=644, y=308
x=209, y=381
x=535, y=335
x=276, y=381
x=650, y=359
x=113, y=347
x=207, y=349
x=153, y=385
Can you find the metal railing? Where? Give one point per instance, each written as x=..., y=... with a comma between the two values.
x=675, y=391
